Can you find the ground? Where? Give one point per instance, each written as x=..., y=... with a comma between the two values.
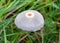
x=9, y=33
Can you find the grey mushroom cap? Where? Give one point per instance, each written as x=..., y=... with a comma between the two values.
x=29, y=20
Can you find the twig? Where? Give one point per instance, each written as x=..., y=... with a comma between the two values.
x=56, y=22
x=22, y=38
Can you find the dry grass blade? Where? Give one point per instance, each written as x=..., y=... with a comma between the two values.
x=22, y=38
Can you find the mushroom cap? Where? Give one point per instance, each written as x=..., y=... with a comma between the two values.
x=29, y=20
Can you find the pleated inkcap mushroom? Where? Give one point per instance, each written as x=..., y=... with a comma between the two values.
x=29, y=20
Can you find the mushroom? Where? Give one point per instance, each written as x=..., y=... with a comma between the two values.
x=29, y=20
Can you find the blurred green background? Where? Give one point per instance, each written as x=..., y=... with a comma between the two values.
x=9, y=33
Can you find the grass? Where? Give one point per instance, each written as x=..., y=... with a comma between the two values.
x=9, y=33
